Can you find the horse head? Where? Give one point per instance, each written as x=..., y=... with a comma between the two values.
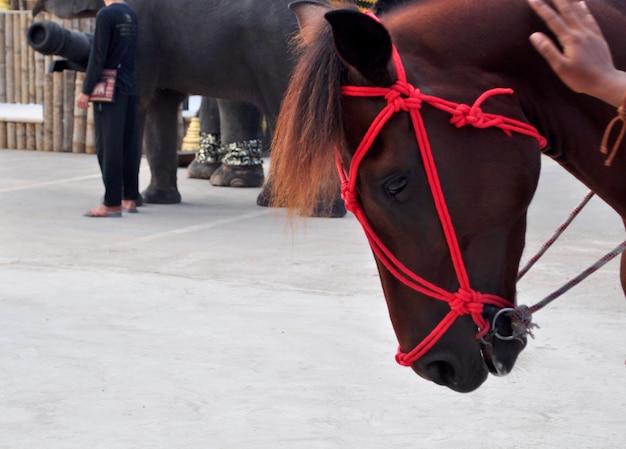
x=448, y=204
x=439, y=173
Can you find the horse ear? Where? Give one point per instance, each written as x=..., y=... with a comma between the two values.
x=310, y=15
x=362, y=42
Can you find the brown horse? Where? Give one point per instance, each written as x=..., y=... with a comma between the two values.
x=438, y=166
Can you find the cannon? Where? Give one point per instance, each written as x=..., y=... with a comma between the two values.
x=50, y=38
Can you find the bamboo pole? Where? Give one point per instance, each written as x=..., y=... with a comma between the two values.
x=3, y=63
x=21, y=73
x=80, y=119
x=20, y=135
x=90, y=135
x=31, y=67
x=39, y=85
x=11, y=142
x=57, y=111
x=8, y=55
x=10, y=75
x=30, y=58
x=31, y=132
x=48, y=113
x=23, y=43
x=39, y=146
x=30, y=77
x=68, y=109
x=17, y=59
x=3, y=92
x=40, y=71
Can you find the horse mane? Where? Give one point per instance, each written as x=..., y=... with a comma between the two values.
x=302, y=170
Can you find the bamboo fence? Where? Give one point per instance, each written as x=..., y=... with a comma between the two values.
x=24, y=79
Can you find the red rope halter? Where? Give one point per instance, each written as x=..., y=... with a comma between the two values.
x=402, y=96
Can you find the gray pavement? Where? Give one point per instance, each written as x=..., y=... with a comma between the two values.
x=216, y=324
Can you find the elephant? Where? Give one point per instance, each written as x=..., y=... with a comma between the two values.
x=228, y=130
x=231, y=50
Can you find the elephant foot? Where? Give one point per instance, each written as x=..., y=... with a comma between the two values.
x=202, y=170
x=241, y=176
x=263, y=199
x=335, y=210
x=161, y=196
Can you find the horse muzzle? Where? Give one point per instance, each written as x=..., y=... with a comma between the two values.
x=505, y=340
x=462, y=376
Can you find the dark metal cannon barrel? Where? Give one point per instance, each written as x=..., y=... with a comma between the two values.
x=50, y=38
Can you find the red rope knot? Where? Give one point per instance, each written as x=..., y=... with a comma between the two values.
x=472, y=115
x=466, y=115
x=349, y=197
x=470, y=302
x=467, y=302
x=404, y=97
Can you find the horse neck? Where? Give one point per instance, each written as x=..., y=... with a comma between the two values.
x=489, y=48
x=575, y=123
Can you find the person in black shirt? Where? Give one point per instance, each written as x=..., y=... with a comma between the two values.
x=117, y=141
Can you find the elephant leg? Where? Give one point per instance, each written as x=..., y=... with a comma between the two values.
x=240, y=125
x=160, y=144
x=337, y=209
x=210, y=153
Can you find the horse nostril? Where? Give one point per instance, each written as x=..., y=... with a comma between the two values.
x=442, y=373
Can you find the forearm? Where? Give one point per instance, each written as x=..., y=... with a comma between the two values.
x=611, y=88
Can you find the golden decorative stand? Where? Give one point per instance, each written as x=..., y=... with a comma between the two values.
x=191, y=143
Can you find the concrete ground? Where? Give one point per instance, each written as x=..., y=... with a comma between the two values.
x=213, y=324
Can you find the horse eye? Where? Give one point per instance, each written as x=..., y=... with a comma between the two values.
x=396, y=185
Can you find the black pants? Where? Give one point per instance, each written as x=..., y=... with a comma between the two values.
x=117, y=147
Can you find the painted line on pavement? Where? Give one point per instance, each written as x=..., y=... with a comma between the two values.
x=202, y=227
x=49, y=183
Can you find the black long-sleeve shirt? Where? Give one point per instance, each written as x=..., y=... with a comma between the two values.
x=114, y=46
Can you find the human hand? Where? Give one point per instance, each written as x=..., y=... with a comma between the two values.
x=82, y=101
x=585, y=65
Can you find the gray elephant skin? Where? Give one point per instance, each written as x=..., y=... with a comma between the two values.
x=237, y=50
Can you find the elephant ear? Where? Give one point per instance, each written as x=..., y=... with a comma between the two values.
x=68, y=9
x=363, y=43
x=310, y=15
x=86, y=8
